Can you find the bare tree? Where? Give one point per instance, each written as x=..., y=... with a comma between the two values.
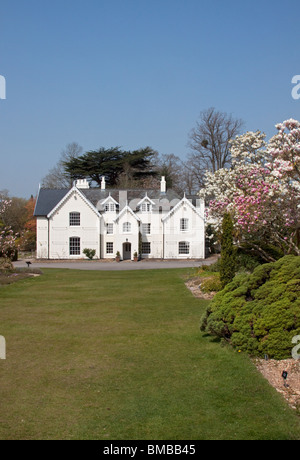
x=57, y=177
x=179, y=174
x=170, y=166
x=209, y=142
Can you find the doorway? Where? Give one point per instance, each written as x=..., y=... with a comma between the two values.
x=127, y=251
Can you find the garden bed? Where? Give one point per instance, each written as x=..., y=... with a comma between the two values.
x=194, y=285
x=272, y=370
x=17, y=275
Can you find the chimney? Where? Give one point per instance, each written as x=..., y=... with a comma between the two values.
x=123, y=198
x=82, y=183
x=163, y=185
x=103, y=185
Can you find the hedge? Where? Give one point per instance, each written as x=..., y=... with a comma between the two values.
x=259, y=313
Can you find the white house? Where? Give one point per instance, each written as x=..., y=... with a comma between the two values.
x=154, y=223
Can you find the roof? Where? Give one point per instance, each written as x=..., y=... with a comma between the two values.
x=48, y=199
x=96, y=194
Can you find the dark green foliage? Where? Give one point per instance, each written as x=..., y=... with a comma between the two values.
x=211, y=240
x=89, y=253
x=259, y=313
x=111, y=163
x=227, y=262
x=246, y=262
x=250, y=249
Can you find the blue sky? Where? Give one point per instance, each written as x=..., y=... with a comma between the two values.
x=134, y=73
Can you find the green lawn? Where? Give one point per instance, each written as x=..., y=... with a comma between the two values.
x=119, y=356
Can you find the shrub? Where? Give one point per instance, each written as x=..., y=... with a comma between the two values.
x=211, y=283
x=89, y=253
x=246, y=262
x=215, y=267
x=260, y=312
x=5, y=264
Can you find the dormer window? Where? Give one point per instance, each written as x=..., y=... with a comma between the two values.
x=110, y=207
x=146, y=206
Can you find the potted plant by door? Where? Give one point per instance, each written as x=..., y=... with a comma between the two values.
x=118, y=257
x=135, y=257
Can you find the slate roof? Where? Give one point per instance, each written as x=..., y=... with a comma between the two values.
x=49, y=198
x=95, y=195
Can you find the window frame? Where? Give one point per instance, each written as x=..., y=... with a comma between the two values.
x=146, y=229
x=74, y=246
x=128, y=229
x=110, y=207
x=74, y=219
x=184, y=250
x=148, y=243
x=146, y=207
x=109, y=229
x=184, y=224
x=109, y=244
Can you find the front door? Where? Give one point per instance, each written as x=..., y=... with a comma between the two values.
x=126, y=251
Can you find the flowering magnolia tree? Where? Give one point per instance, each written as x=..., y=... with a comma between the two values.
x=7, y=237
x=261, y=190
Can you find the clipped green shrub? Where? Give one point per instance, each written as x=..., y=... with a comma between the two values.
x=89, y=253
x=259, y=313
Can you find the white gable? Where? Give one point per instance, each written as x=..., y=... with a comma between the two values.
x=74, y=191
x=127, y=210
x=109, y=199
x=180, y=204
x=146, y=199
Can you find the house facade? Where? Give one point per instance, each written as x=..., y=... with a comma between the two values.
x=157, y=224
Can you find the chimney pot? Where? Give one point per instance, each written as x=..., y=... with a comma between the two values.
x=163, y=185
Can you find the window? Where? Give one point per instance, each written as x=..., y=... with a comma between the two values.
x=146, y=207
x=146, y=248
x=184, y=247
x=109, y=248
x=110, y=229
x=74, y=219
x=184, y=225
x=74, y=246
x=110, y=207
x=146, y=229
x=126, y=227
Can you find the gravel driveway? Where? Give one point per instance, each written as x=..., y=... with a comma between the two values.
x=114, y=266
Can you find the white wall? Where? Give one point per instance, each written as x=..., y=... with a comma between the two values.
x=131, y=237
x=60, y=231
x=42, y=238
x=195, y=234
x=164, y=237
x=156, y=236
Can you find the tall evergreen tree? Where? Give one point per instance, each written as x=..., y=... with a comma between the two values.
x=112, y=163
